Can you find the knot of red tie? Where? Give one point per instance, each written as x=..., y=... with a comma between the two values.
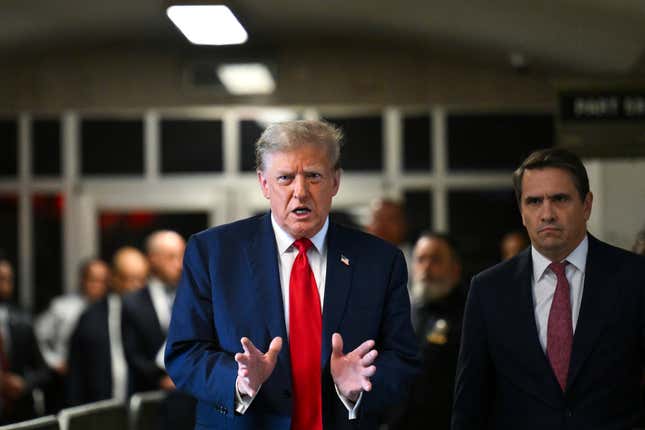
x=302, y=244
x=558, y=268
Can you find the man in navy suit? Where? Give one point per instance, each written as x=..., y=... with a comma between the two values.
x=97, y=365
x=554, y=337
x=288, y=321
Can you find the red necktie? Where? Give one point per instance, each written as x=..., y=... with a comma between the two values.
x=305, y=327
x=560, y=328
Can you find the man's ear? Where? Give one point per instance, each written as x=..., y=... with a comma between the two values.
x=587, y=203
x=336, y=178
x=264, y=185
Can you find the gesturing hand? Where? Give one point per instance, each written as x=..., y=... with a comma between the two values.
x=351, y=372
x=255, y=367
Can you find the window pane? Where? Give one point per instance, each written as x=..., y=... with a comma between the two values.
x=417, y=135
x=250, y=131
x=191, y=146
x=496, y=141
x=48, y=259
x=418, y=209
x=363, y=144
x=9, y=145
x=46, y=147
x=9, y=234
x=478, y=220
x=112, y=147
x=119, y=229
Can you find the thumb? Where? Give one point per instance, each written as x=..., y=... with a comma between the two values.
x=336, y=345
x=274, y=348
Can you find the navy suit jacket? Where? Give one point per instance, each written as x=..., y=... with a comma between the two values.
x=230, y=288
x=504, y=379
x=142, y=338
x=90, y=360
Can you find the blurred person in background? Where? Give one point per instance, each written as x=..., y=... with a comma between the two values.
x=97, y=365
x=146, y=317
x=438, y=300
x=22, y=368
x=388, y=221
x=54, y=327
x=513, y=243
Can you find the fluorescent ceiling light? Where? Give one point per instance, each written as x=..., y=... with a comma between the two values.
x=207, y=24
x=246, y=78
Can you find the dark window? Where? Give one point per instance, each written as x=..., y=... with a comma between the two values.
x=48, y=214
x=478, y=220
x=250, y=131
x=8, y=148
x=46, y=147
x=119, y=229
x=417, y=135
x=418, y=210
x=191, y=146
x=363, y=144
x=9, y=235
x=496, y=141
x=112, y=147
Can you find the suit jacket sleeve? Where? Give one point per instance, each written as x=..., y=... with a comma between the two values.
x=473, y=390
x=194, y=359
x=398, y=360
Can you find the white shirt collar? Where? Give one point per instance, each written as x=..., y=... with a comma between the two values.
x=577, y=258
x=285, y=240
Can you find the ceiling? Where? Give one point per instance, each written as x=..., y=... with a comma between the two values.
x=588, y=37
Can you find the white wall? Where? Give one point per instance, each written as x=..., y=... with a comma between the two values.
x=619, y=199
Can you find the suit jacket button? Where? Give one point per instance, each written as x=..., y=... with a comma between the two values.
x=568, y=413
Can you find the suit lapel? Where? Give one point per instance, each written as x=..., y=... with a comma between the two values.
x=263, y=261
x=337, y=286
x=597, y=303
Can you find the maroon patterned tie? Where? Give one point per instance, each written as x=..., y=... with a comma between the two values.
x=560, y=328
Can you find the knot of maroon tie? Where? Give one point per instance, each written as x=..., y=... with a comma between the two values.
x=302, y=244
x=559, y=268
x=560, y=327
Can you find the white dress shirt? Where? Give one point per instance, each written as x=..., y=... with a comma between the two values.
x=317, y=256
x=545, y=281
x=55, y=326
x=117, y=356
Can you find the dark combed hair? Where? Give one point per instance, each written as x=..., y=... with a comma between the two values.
x=555, y=158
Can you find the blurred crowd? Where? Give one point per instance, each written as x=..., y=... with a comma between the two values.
x=107, y=340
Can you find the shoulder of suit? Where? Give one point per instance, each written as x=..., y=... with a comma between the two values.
x=363, y=240
x=237, y=230
x=621, y=255
x=504, y=270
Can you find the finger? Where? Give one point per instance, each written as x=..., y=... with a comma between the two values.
x=364, y=348
x=366, y=384
x=274, y=349
x=336, y=345
x=368, y=371
x=242, y=359
x=243, y=372
x=369, y=357
x=248, y=346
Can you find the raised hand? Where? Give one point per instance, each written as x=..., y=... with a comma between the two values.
x=352, y=372
x=254, y=366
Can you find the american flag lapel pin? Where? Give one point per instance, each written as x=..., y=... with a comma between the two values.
x=344, y=260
